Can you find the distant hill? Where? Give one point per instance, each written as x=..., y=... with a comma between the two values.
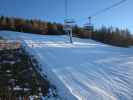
x=110, y=35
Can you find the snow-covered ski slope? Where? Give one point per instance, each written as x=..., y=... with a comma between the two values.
x=84, y=70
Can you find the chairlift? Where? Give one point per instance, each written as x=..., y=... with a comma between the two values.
x=70, y=20
x=68, y=24
x=88, y=26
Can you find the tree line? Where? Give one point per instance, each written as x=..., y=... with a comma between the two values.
x=30, y=26
x=113, y=36
x=108, y=35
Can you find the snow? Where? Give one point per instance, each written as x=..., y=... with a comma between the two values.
x=84, y=70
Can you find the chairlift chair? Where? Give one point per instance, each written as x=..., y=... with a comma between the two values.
x=89, y=26
x=68, y=24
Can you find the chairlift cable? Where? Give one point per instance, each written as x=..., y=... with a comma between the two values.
x=104, y=10
x=107, y=8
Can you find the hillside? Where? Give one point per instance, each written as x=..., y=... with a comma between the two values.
x=108, y=35
x=82, y=70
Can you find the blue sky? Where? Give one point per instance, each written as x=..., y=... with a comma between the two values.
x=53, y=10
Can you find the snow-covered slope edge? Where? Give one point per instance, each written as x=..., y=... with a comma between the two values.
x=62, y=91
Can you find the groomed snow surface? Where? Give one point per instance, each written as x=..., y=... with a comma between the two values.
x=84, y=70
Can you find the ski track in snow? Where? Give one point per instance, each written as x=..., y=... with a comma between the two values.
x=85, y=70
